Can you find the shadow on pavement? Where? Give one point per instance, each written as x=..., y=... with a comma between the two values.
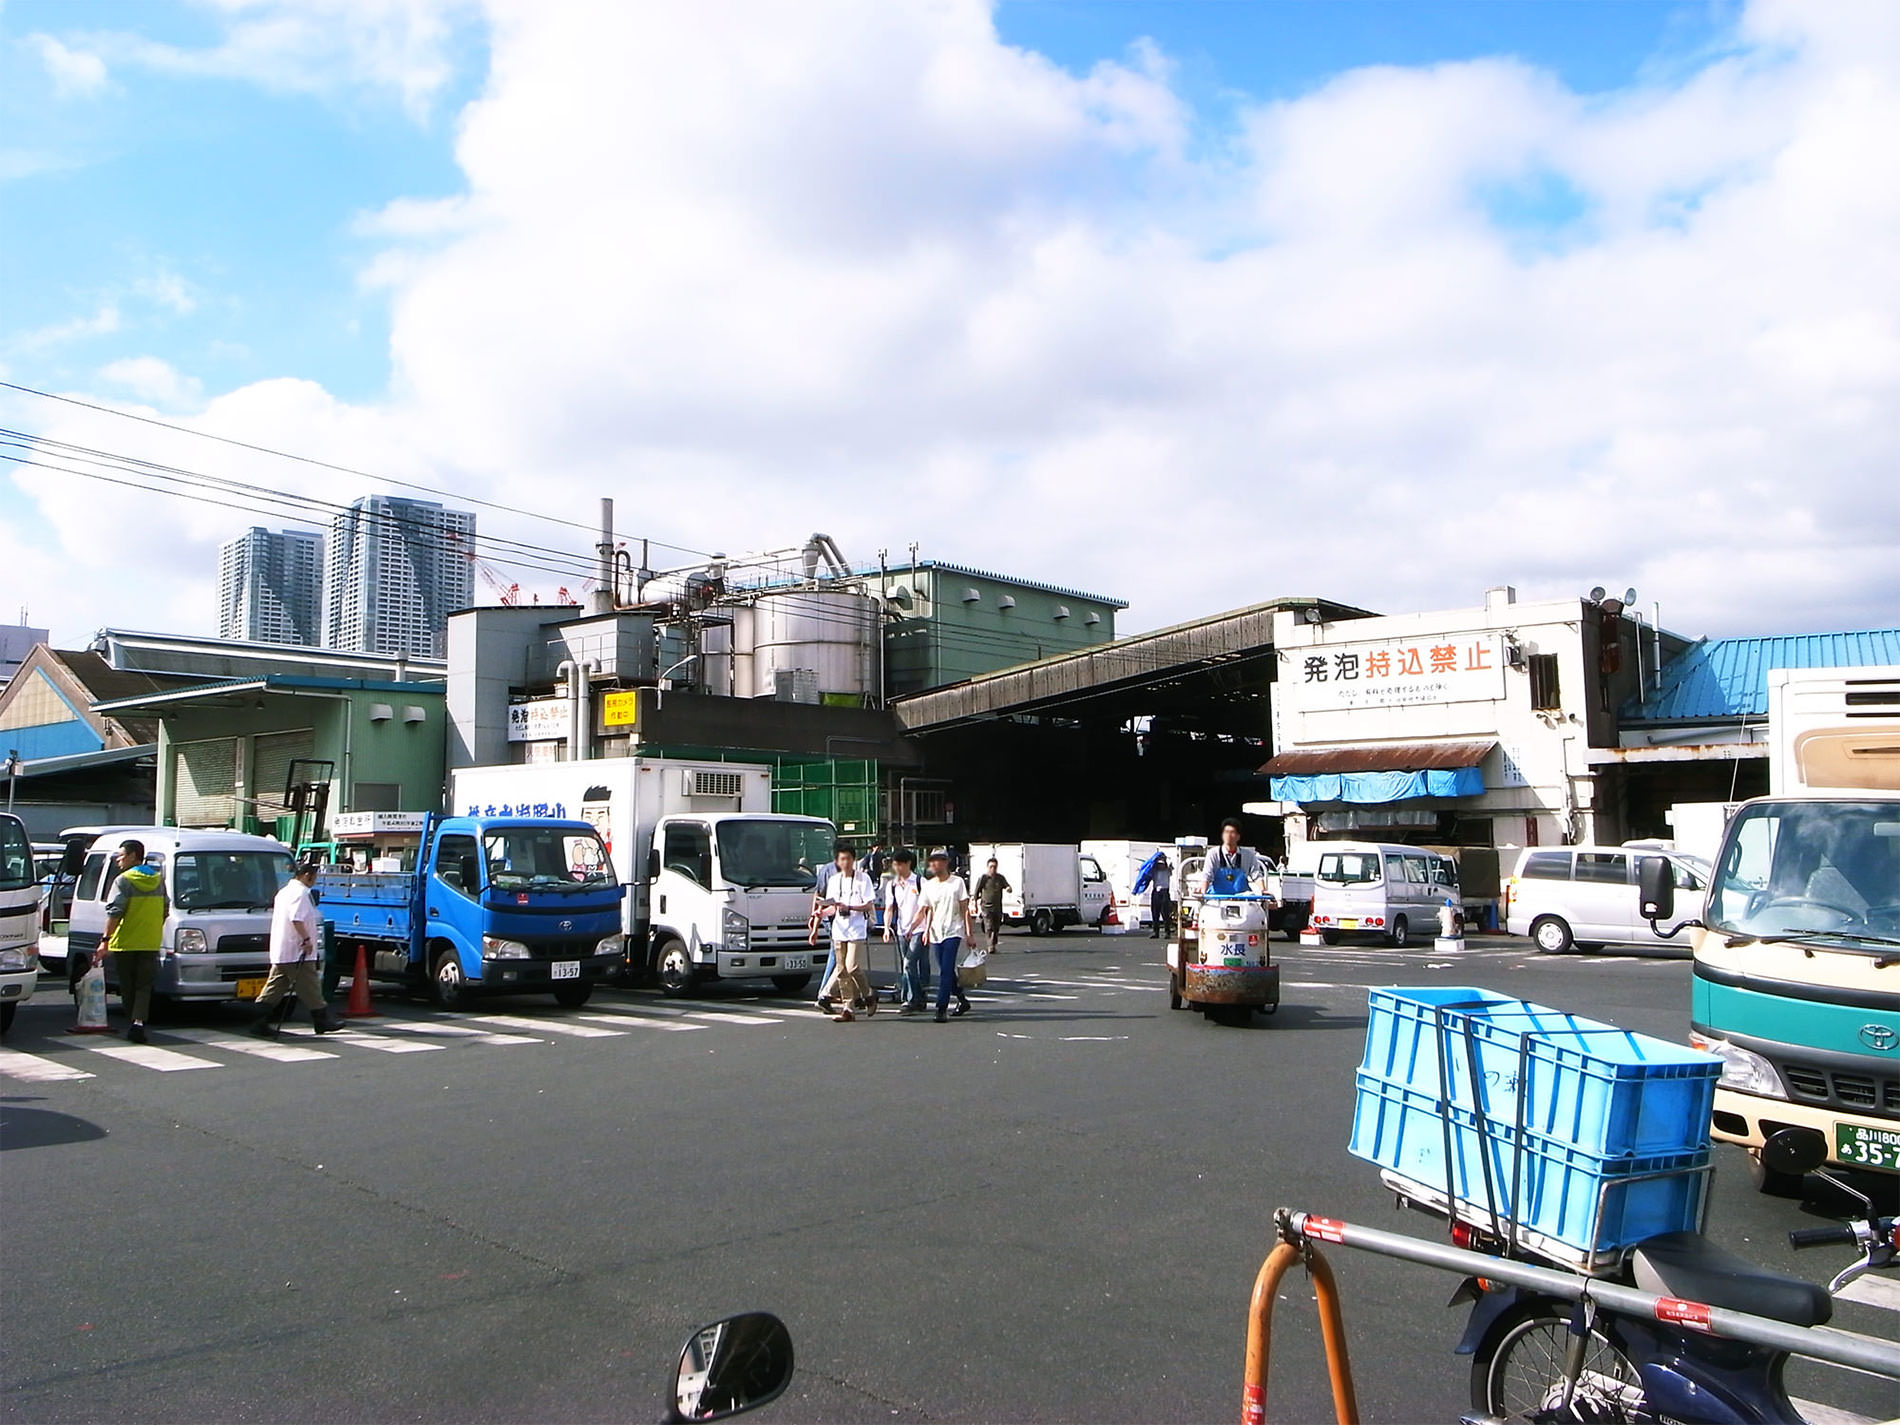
x=42, y=1128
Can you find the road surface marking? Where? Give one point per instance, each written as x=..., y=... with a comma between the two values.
x=150, y=1056
x=1872, y=1291
x=1038, y=994
x=719, y=1016
x=550, y=1026
x=1092, y=1038
x=436, y=1029
x=634, y=1021
x=34, y=1069
x=376, y=1041
x=258, y=1048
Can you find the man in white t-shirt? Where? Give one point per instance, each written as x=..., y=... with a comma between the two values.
x=902, y=891
x=296, y=953
x=943, y=918
x=845, y=899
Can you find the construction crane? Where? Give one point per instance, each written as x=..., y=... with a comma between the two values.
x=505, y=594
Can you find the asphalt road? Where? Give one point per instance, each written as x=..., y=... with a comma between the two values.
x=1052, y=1209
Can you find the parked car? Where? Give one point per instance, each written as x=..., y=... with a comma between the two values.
x=1586, y=896
x=1389, y=891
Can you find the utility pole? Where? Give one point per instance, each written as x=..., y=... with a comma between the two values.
x=13, y=774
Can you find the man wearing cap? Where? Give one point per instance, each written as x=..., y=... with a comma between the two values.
x=135, y=929
x=296, y=934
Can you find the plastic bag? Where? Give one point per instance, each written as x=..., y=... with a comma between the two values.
x=974, y=968
x=91, y=1017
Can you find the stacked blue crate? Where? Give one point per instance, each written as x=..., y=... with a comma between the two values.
x=1544, y=1115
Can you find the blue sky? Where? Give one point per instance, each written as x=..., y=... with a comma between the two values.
x=1544, y=284
x=216, y=217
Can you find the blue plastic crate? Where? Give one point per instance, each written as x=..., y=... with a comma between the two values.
x=1578, y=1082
x=1537, y=1185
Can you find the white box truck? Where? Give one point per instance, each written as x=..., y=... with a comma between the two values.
x=1051, y=884
x=721, y=886
x=1121, y=862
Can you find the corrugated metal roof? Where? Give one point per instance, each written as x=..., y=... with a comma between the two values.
x=1394, y=757
x=1727, y=678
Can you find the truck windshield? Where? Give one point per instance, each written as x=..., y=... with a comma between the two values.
x=16, y=856
x=1349, y=868
x=1789, y=868
x=774, y=853
x=545, y=857
x=228, y=880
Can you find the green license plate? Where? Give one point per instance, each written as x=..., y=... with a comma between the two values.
x=1869, y=1147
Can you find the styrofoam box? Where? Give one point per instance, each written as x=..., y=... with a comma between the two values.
x=1586, y=1085
x=1542, y=1186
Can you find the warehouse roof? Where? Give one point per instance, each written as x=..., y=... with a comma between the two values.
x=1726, y=679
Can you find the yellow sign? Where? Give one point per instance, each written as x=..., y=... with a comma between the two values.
x=619, y=709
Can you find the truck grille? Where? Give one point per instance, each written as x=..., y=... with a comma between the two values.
x=1812, y=1083
x=236, y=944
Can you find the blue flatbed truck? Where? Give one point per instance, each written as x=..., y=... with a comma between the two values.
x=485, y=904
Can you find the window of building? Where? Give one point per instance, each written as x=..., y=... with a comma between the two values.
x=1546, y=695
x=377, y=796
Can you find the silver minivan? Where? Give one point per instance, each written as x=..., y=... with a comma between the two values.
x=1374, y=888
x=1586, y=896
x=220, y=884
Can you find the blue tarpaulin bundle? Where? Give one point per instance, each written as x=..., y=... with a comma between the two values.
x=1147, y=872
x=1373, y=787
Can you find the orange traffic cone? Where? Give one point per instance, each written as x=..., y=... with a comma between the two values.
x=360, y=1006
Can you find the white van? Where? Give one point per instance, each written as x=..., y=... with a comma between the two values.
x=220, y=885
x=1586, y=896
x=1369, y=888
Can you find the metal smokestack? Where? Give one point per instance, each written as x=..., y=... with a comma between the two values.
x=606, y=596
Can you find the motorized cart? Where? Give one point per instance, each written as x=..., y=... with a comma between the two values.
x=1220, y=961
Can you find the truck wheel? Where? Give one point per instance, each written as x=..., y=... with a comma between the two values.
x=1293, y=922
x=674, y=968
x=450, y=984
x=1174, y=992
x=1550, y=935
x=1401, y=934
x=1329, y=937
x=1042, y=923
x=572, y=996
x=7, y=1011
x=790, y=984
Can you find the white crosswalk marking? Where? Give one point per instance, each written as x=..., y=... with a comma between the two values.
x=258, y=1048
x=634, y=1021
x=150, y=1056
x=441, y=1029
x=1883, y=1292
x=375, y=1041
x=547, y=1026
x=34, y=1069
x=726, y=1016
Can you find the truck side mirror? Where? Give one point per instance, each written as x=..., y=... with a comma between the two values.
x=1656, y=888
x=653, y=864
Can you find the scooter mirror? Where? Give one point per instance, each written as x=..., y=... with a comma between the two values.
x=1793, y=1152
x=732, y=1366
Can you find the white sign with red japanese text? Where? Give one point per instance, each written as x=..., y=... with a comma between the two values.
x=1405, y=672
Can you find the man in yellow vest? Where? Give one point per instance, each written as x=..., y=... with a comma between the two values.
x=135, y=929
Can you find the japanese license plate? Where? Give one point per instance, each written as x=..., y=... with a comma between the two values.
x=1348, y=925
x=248, y=989
x=795, y=962
x=1869, y=1147
x=566, y=969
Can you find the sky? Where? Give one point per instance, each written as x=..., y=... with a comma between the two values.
x=1193, y=304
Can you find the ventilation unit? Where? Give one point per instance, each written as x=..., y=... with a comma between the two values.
x=702, y=783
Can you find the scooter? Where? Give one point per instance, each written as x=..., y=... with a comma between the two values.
x=1542, y=1357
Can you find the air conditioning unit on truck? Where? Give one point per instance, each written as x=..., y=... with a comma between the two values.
x=721, y=887
x=1797, y=946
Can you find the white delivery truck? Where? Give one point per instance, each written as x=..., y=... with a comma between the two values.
x=1051, y=884
x=721, y=886
x=1121, y=862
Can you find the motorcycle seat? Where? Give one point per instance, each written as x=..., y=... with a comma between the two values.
x=1689, y=1266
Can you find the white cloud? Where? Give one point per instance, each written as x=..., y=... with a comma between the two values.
x=103, y=321
x=151, y=379
x=168, y=290
x=755, y=269
x=76, y=73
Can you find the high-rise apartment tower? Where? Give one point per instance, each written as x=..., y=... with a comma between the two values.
x=397, y=569
x=270, y=587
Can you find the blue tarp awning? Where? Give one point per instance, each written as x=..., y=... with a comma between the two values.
x=1373, y=787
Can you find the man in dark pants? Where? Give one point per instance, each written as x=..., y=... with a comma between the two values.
x=988, y=894
x=135, y=929
x=1161, y=900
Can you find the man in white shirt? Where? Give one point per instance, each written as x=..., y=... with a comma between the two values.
x=943, y=917
x=1230, y=855
x=845, y=900
x=296, y=952
x=900, y=909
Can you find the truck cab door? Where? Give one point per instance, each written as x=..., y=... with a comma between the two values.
x=453, y=899
x=681, y=890
x=1096, y=892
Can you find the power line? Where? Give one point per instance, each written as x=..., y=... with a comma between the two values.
x=321, y=464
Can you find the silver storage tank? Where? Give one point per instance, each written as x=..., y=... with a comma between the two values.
x=829, y=635
x=725, y=652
